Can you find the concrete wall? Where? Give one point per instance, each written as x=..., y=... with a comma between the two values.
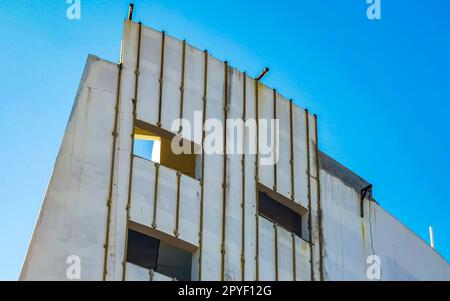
x=99, y=188
x=217, y=216
x=72, y=220
x=173, y=81
x=350, y=239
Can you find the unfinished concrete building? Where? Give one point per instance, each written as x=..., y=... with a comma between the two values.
x=129, y=214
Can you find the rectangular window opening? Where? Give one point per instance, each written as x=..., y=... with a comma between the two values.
x=283, y=212
x=155, y=144
x=164, y=258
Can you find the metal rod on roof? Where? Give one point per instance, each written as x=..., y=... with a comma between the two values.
x=262, y=74
x=431, y=237
x=130, y=11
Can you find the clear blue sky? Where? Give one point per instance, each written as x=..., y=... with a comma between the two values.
x=381, y=90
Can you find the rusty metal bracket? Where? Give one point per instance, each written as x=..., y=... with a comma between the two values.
x=202, y=195
x=275, y=178
x=366, y=191
x=224, y=177
x=183, y=71
x=111, y=177
x=291, y=159
x=130, y=179
x=155, y=195
x=308, y=171
x=257, y=180
x=161, y=78
x=176, y=231
x=319, y=206
x=275, y=228
x=244, y=116
x=294, y=259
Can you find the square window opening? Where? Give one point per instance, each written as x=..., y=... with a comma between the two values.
x=283, y=212
x=155, y=144
x=151, y=253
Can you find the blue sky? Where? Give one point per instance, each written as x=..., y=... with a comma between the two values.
x=380, y=88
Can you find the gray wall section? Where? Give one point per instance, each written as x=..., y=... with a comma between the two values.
x=72, y=218
x=350, y=239
x=403, y=254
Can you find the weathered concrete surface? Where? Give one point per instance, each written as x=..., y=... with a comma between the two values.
x=143, y=201
x=240, y=260
x=349, y=239
x=228, y=240
x=72, y=220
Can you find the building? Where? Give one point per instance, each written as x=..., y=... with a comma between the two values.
x=130, y=215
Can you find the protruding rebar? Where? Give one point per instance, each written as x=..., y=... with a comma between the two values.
x=130, y=11
x=262, y=74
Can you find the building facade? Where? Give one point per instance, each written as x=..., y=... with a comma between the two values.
x=128, y=207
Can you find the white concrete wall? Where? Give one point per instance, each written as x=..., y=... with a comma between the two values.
x=350, y=239
x=403, y=254
x=228, y=239
x=234, y=200
x=227, y=248
x=225, y=231
x=143, y=200
x=72, y=220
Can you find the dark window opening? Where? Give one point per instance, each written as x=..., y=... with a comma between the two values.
x=142, y=250
x=174, y=262
x=151, y=253
x=279, y=214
